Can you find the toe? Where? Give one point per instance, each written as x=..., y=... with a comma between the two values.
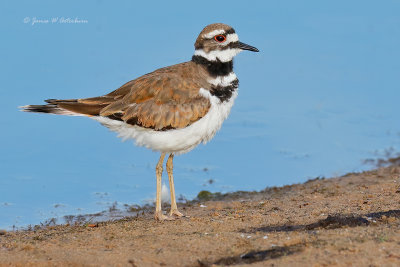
x=175, y=213
x=161, y=217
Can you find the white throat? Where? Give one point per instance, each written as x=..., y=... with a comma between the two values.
x=221, y=55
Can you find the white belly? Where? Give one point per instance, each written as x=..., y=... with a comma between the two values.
x=176, y=141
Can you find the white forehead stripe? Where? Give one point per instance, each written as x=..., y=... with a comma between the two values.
x=213, y=33
x=223, y=55
x=232, y=37
x=223, y=80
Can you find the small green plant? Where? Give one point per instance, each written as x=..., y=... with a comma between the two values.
x=204, y=195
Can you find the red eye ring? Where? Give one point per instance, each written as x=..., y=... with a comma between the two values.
x=220, y=38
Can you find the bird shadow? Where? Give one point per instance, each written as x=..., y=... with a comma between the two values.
x=331, y=222
x=256, y=256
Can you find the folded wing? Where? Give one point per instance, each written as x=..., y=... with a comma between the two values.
x=165, y=99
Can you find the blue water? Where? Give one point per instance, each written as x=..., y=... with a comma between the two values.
x=320, y=97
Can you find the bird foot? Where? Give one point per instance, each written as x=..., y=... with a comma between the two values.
x=175, y=213
x=159, y=216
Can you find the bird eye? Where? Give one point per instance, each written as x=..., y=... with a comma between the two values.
x=220, y=38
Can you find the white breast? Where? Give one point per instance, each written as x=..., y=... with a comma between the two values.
x=176, y=141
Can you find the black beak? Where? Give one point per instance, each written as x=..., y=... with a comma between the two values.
x=244, y=46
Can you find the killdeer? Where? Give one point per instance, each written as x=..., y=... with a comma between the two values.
x=172, y=109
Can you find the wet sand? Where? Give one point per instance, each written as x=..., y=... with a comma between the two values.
x=353, y=220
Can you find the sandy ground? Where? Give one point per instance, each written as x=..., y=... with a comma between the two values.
x=352, y=220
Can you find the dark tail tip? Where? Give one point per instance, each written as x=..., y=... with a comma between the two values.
x=37, y=108
x=50, y=108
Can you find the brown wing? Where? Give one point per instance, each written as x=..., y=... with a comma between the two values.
x=167, y=98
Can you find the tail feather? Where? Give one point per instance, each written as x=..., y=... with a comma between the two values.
x=49, y=108
x=55, y=101
x=72, y=107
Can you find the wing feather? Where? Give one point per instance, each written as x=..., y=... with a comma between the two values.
x=167, y=98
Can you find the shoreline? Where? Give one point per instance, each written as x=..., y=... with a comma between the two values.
x=120, y=210
x=352, y=219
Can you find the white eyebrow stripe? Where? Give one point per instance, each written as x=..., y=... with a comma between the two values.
x=213, y=33
x=230, y=38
